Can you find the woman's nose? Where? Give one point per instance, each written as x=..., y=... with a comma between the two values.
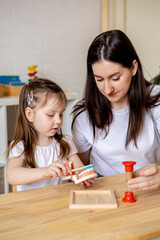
x=108, y=87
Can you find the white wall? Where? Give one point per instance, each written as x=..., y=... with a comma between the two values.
x=143, y=26
x=140, y=19
x=53, y=34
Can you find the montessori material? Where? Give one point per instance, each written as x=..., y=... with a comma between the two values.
x=92, y=199
x=129, y=198
x=88, y=173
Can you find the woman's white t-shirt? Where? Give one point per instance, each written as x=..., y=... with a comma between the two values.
x=109, y=152
x=44, y=156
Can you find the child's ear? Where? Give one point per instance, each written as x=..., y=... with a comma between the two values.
x=29, y=114
x=134, y=67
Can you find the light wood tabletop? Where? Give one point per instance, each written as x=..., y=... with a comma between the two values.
x=43, y=214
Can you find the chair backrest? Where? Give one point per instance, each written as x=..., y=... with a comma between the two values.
x=14, y=188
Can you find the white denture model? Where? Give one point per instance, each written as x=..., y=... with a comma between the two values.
x=88, y=173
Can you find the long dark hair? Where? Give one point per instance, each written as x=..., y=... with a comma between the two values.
x=25, y=130
x=115, y=46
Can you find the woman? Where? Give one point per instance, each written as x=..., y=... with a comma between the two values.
x=119, y=118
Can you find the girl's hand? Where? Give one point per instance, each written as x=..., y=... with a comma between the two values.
x=87, y=183
x=146, y=178
x=57, y=169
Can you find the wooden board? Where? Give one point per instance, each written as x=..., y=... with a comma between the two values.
x=92, y=199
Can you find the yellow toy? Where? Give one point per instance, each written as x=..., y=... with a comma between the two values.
x=32, y=71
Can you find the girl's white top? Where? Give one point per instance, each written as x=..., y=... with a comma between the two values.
x=109, y=152
x=44, y=156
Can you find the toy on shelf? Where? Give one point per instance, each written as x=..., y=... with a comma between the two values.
x=129, y=198
x=77, y=178
x=10, y=85
x=32, y=72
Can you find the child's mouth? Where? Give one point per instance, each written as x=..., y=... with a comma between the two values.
x=55, y=129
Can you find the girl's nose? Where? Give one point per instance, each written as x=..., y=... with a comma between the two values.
x=58, y=119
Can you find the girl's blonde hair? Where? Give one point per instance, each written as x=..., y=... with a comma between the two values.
x=24, y=130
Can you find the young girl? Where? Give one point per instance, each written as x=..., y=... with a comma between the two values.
x=38, y=146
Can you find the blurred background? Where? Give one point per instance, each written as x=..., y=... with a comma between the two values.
x=56, y=34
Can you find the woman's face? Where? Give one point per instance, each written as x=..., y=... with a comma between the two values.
x=113, y=81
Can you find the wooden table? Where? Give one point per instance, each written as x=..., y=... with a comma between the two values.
x=44, y=214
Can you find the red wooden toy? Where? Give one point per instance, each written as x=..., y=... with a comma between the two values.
x=129, y=198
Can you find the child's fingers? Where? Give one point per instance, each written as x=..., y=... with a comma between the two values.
x=56, y=172
x=60, y=168
x=82, y=184
x=88, y=182
x=68, y=170
x=49, y=176
x=91, y=180
x=57, y=169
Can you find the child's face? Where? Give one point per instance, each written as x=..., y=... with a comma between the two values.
x=48, y=119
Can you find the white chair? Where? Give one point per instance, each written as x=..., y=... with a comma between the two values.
x=6, y=185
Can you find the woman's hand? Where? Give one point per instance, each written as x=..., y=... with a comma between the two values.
x=146, y=178
x=57, y=169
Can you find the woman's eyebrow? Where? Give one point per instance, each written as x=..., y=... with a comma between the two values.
x=95, y=75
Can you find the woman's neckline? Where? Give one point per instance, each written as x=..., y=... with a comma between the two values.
x=121, y=111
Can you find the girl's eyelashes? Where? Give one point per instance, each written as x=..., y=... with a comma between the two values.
x=50, y=115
